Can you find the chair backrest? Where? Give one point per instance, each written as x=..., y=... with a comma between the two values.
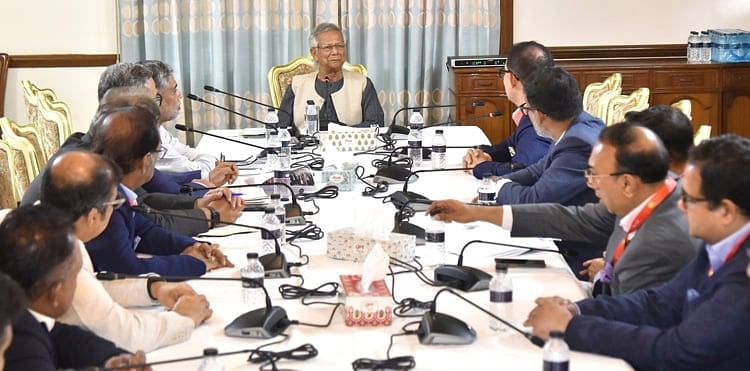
x=596, y=92
x=703, y=133
x=31, y=101
x=13, y=130
x=8, y=193
x=22, y=164
x=50, y=124
x=684, y=106
x=622, y=104
x=4, y=62
x=280, y=76
x=51, y=102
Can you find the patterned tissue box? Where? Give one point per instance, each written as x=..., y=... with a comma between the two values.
x=343, y=178
x=345, y=244
x=373, y=308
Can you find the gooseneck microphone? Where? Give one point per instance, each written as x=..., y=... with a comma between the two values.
x=274, y=264
x=438, y=328
x=112, y=276
x=216, y=90
x=472, y=279
x=182, y=127
x=199, y=99
x=398, y=129
x=262, y=323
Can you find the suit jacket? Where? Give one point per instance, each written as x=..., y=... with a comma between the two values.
x=176, y=206
x=172, y=182
x=661, y=247
x=558, y=177
x=693, y=322
x=34, y=348
x=529, y=148
x=129, y=232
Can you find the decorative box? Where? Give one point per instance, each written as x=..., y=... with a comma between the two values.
x=344, y=178
x=362, y=309
x=345, y=244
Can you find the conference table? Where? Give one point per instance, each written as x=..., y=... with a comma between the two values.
x=339, y=345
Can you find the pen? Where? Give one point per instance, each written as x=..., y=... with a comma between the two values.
x=237, y=194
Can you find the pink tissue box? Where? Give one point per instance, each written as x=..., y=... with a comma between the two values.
x=363, y=309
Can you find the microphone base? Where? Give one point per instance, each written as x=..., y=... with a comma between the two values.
x=394, y=175
x=412, y=230
x=441, y=329
x=463, y=278
x=416, y=201
x=262, y=323
x=274, y=265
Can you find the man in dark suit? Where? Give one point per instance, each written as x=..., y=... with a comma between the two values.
x=554, y=108
x=700, y=319
x=11, y=307
x=38, y=250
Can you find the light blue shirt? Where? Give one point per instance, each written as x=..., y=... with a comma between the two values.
x=130, y=195
x=718, y=251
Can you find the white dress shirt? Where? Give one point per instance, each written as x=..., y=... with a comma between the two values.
x=181, y=158
x=98, y=307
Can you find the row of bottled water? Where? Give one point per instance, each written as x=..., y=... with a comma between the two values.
x=699, y=47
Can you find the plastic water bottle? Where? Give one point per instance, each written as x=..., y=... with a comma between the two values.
x=438, y=150
x=280, y=213
x=210, y=360
x=556, y=354
x=281, y=171
x=705, y=47
x=273, y=150
x=434, y=242
x=694, y=48
x=311, y=118
x=486, y=191
x=252, y=282
x=271, y=118
x=501, y=298
x=416, y=122
x=271, y=223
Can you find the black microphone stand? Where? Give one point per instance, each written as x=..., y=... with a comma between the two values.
x=185, y=128
x=199, y=99
x=216, y=90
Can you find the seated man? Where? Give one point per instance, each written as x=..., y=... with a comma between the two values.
x=524, y=147
x=11, y=307
x=673, y=128
x=646, y=234
x=38, y=250
x=128, y=136
x=700, y=320
x=84, y=185
x=343, y=97
x=554, y=108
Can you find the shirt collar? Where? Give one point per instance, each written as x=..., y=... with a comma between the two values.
x=47, y=321
x=718, y=251
x=627, y=221
x=130, y=195
x=561, y=136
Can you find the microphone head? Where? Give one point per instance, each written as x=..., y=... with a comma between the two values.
x=210, y=88
x=194, y=97
x=182, y=127
x=477, y=104
x=495, y=114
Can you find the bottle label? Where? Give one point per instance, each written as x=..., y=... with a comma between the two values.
x=416, y=125
x=281, y=217
x=488, y=197
x=270, y=235
x=415, y=143
x=252, y=283
x=501, y=296
x=285, y=143
x=280, y=174
x=438, y=149
x=434, y=237
x=555, y=366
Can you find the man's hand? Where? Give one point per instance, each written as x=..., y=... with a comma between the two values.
x=211, y=196
x=229, y=208
x=125, y=360
x=474, y=157
x=456, y=211
x=195, y=307
x=591, y=268
x=550, y=314
x=167, y=293
x=223, y=173
x=209, y=254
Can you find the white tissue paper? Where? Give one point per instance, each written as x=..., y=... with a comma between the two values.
x=374, y=267
x=370, y=220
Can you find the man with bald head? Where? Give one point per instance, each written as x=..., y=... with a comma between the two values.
x=84, y=185
x=637, y=218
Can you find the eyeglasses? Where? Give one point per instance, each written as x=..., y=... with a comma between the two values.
x=590, y=176
x=116, y=203
x=329, y=48
x=502, y=73
x=688, y=199
x=159, y=153
x=158, y=99
x=525, y=108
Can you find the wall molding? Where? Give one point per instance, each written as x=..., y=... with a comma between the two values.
x=619, y=51
x=62, y=60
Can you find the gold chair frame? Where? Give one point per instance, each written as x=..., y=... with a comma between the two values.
x=29, y=133
x=703, y=133
x=280, y=76
x=685, y=107
x=597, y=95
x=8, y=191
x=21, y=162
x=622, y=104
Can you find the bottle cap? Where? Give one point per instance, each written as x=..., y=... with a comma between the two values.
x=311, y=102
x=439, y=131
x=556, y=334
x=270, y=210
x=271, y=109
x=275, y=196
x=210, y=352
x=252, y=255
x=501, y=269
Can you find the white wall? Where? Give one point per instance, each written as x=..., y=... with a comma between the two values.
x=623, y=22
x=57, y=27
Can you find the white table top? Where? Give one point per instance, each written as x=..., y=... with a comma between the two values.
x=339, y=345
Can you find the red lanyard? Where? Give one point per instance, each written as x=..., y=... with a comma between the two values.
x=647, y=210
x=731, y=253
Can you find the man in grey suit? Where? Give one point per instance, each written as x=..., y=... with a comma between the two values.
x=628, y=170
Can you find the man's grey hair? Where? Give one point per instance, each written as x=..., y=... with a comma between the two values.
x=123, y=74
x=160, y=72
x=319, y=29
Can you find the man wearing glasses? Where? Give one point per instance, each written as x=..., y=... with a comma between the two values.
x=637, y=218
x=343, y=97
x=700, y=319
x=84, y=185
x=524, y=147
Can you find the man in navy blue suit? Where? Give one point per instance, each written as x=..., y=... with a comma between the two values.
x=524, y=147
x=700, y=319
x=555, y=110
x=129, y=136
x=11, y=307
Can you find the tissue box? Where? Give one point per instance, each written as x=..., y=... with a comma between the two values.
x=362, y=309
x=345, y=244
x=343, y=178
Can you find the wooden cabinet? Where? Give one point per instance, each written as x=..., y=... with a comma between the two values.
x=719, y=93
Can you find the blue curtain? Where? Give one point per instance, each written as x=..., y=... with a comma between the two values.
x=232, y=44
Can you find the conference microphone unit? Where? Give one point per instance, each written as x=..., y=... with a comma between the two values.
x=274, y=264
x=292, y=209
x=470, y=279
x=199, y=99
x=262, y=323
x=396, y=174
x=437, y=328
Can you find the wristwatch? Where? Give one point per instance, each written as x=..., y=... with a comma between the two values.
x=150, y=282
x=215, y=218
